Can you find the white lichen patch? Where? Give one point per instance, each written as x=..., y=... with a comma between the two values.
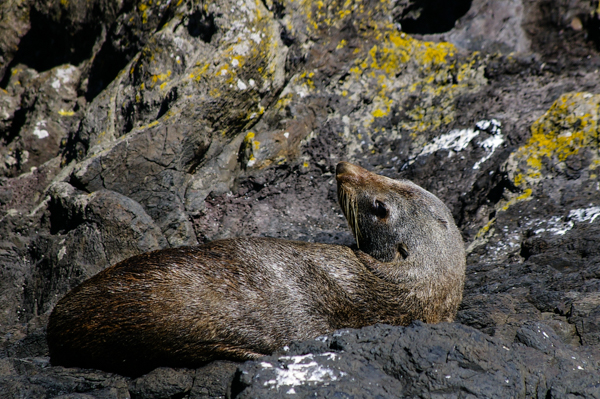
x=63, y=76
x=39, y=130
x=458, y=139
x=554, y=225
x=341, y=333
x=61, y=253
x=256, y=37
x=243, y=49
x=583, y=215
x=493, y=126
x=240, y=35
x=302, y=370
x=509, y=242
x=559, y=226
x=241, y=85
x=182, y=44
x=490, y=144
x=302, y=92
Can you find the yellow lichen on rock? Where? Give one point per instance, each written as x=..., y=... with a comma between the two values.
x=567, y=128
x=392, y=65
x=143, y=8
x=162, y=77
x=250, y=146
x=250, y=56
x=63, y=112
x=570, y=125
x=323, y=15
x=391, y=72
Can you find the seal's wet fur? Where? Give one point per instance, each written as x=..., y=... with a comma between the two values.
x=244, y=297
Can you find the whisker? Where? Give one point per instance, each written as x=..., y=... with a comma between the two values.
x=350, y=210
x=357, y=234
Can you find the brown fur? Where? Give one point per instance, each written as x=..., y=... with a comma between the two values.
x=244, y=297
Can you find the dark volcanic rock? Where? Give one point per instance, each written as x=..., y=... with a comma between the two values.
x=163, y=383
x=449, y=360
x=157, y=124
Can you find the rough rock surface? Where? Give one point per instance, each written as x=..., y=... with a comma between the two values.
x=451, y=360
x=167, y=123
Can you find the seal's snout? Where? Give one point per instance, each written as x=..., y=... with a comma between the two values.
x=346, y=168
x=347, y=171
x=343, y=167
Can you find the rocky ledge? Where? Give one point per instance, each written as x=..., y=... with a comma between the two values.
x=133, y=125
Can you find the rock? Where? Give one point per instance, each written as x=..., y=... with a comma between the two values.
x=214, y=380
x=88, y=232
x=449, y=359
x=33, y=377
x=163, y=383
x=169, y=123
x=13, y=26
x=491, y=27
x=156, y=177
x=45, y=116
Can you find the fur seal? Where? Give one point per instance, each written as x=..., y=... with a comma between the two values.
x=242, y=298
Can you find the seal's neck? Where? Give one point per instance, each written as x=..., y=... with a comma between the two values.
x=394, y=272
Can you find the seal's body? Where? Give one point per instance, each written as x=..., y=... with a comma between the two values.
x=244, y=297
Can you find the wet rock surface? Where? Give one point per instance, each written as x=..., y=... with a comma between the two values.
x=158, y=124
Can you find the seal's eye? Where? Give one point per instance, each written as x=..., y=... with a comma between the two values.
x=380, y=209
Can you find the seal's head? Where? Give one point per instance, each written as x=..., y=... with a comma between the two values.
x=395, y=220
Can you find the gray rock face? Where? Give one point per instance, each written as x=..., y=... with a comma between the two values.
x=450, y=360
x=491, y=27
x=157, y=124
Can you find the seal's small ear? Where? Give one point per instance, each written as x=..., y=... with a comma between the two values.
x=403, y=250
x=438, y=216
